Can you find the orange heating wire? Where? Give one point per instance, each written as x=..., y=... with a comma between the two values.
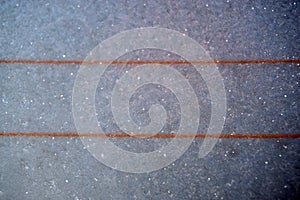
x=159, y=135
x=141, y=62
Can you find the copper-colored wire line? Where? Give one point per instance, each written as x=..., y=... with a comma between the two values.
x=159, y=135
x=141, y=62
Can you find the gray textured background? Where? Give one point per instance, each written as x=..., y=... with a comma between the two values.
x=261, y=98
